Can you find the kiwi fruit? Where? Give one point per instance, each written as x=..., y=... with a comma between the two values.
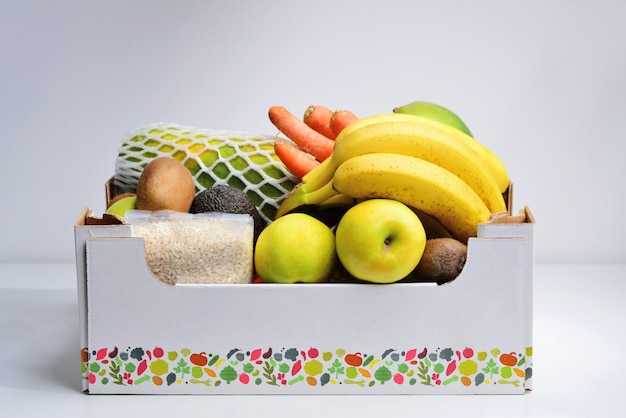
x=165, y=184
x=442, y=261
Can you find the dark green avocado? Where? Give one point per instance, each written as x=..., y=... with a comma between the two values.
x=227, y=199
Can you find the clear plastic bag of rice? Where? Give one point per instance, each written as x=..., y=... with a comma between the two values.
x=207, y=248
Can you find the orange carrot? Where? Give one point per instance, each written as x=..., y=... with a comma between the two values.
x=308, y=139
x=318, y=118
x=340, y=119
x=296, y=160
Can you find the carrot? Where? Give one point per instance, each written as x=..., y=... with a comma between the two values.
x=340, y=119
x=318, y=118
x=296, y=160
x=308, y=139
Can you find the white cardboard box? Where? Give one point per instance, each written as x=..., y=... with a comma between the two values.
x=469, y=336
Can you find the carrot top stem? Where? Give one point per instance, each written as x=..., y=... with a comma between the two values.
x=318, y=117
x=340, y=119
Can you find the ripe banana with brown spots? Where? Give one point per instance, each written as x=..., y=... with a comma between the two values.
x=416, y=183
x=413, y=136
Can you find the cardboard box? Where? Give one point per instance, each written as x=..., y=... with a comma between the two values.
x=470, y=336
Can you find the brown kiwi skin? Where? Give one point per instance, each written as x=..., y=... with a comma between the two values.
x=165, y=184
x=442, y=261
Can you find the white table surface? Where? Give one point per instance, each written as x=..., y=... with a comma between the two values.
x=579, y=366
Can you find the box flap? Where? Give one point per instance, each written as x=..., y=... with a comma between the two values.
x=87, y=226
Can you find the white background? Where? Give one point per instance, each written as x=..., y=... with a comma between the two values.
x=540, y=82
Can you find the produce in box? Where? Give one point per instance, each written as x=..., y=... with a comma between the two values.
x=420, y=157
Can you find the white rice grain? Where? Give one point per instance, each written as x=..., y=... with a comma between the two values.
x=197, y=251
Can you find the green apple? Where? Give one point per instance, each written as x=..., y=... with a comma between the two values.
x=120, y=207
x=295, y=248
x=435, y=112
x=380, y=240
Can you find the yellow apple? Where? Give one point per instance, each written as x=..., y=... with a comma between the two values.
x=380, y=240
x=295, y=248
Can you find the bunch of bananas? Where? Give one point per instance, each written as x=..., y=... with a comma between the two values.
x=420, y=162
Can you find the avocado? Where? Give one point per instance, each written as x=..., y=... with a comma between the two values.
x=227, y=199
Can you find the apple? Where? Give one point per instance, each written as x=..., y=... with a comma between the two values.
x=380, y=240
x=295, y=248
x=120, y=206
x=434, y=112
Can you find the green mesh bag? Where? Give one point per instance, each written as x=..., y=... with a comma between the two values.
x=240, y=159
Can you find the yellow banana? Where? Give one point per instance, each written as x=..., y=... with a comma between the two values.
x=493, y=163
x=406, y=135
x=325, y=196
x=337, y=200
x=323, y=173
x=416, y=183
x=402, y=134
x=490, y=159
x=218, y=362
x=316, y=197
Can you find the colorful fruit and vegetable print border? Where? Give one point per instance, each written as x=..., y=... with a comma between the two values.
x=293, y=366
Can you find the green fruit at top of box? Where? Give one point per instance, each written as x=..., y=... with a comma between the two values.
x=243, y=160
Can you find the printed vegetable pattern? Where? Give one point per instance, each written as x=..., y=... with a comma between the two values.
x=285, y=367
